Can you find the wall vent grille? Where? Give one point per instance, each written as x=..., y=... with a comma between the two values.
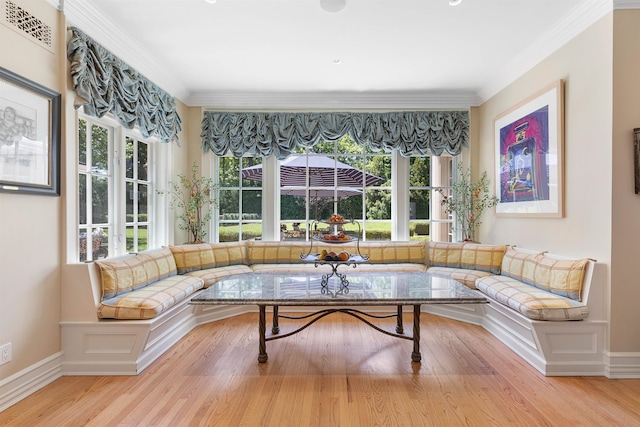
x=25, y=23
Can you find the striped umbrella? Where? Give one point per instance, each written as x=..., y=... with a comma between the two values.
x=316, y=171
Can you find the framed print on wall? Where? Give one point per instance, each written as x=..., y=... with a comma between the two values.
x=29, y=136
x=529, y=156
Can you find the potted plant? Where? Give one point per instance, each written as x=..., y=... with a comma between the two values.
x=194, y=196
x=468, y=201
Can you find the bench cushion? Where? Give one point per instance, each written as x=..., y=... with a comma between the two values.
x=519, y=265
x=559, y=276
x=212, y=275
x=135, y=272
x=532, y=302
x=208, y=255
x=443, y=254
x=467, y=277
x=564, y=277
x=150, y=301
x=482, y=257
x=263, y=252
x=394, y=252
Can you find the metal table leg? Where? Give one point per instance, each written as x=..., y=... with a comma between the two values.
x=262, y=326
x=275, y=329
x=416, y=356
x=399, y=325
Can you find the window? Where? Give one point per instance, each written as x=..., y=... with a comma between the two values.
x=336, y=177
x=239, y=199
x=115, y=190
x=427, y=218
x=306, y=198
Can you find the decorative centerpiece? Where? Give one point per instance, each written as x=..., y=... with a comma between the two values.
x=468, y=201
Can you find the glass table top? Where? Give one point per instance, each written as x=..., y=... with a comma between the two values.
x=363, y=289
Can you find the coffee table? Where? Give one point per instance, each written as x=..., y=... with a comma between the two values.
x=364, y=290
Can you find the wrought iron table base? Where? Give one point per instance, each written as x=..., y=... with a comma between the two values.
x=399, y=331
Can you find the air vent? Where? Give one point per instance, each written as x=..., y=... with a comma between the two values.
x=26, y=24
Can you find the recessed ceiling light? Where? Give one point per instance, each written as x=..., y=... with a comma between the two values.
x=210, y=1
x=454, y=2
x=337, y=61
x=333, y=6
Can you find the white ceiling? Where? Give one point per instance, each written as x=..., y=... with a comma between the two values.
x=283, y=54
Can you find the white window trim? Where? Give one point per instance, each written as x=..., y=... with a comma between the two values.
x=159, y=228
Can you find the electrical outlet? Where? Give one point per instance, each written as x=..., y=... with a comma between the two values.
x=5, y=354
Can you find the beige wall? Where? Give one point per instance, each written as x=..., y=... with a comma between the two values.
x=30, y=226
x=586, y=230
x=625, y=289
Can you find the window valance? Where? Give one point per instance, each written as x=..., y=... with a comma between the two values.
x=103, y=83
x=262, y=133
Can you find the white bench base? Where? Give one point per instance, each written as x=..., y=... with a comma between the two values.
x=124, y=347
x=571, y=348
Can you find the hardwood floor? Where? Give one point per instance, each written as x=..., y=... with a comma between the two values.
x=338, y=372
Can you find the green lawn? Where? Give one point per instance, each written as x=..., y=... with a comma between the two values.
x=375, y=231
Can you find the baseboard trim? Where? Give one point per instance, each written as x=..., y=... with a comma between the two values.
x=26, y=382
x=620, y=365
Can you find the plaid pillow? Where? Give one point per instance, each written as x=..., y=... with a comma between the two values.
x=561, y=277
x=262, y=252
x=482, y=257
x=229, y=253
x=519, y=265
x=394, y=252
x=138, y=271
x=443, y=254
x=193, y=257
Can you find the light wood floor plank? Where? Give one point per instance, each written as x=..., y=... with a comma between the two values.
x=338, y=372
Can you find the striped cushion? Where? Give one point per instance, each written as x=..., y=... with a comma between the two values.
x=193, y=257
x=465, y=276
x=443, y=254
x=231, y=253
x=212, y=275
x=208, y=255
x=262, y=252
x=519, y=265
x=395, y=252
x=534, y=303
x=136, y=272
x=150, y=301
x=482, y=257
x=561, y=277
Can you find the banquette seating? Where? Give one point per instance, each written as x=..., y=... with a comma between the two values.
x=120, y=314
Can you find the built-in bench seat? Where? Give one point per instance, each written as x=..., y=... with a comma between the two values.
x=140, y=301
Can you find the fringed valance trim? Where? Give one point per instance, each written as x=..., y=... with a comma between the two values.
x=103, y=83
x=263, y=134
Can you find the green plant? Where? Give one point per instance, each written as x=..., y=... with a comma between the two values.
x=468, y=201
x=195, y=197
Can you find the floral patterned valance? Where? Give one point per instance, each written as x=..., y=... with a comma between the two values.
x=103, y=83
x=261, y=133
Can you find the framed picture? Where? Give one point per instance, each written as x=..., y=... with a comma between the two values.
x=29, y=136
x=529, y=156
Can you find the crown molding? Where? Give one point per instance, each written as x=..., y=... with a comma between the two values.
x=626, y=4
x=81, y=14
x=583, y=16
x=397, y=100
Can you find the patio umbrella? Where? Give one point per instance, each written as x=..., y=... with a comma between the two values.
x=323, y=172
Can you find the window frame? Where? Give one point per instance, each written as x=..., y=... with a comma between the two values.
x=157, y=224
